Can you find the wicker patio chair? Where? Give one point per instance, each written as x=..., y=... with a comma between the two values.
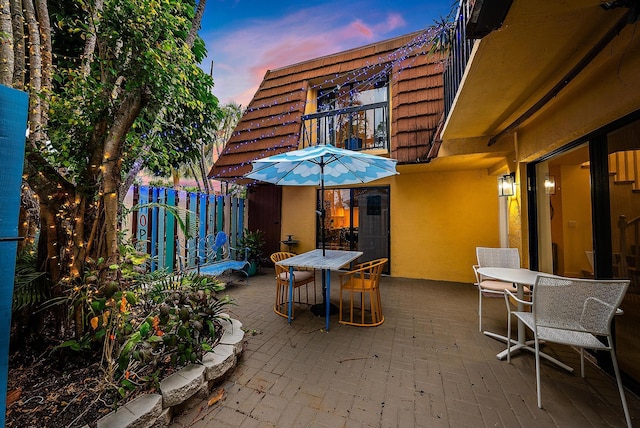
x=300, y=277
x=363, y=279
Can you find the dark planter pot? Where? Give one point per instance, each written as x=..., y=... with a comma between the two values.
x=252, y=269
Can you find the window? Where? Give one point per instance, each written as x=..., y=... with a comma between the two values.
x=356, y=219
x=353, y=116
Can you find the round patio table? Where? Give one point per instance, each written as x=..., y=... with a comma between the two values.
x=519, y=277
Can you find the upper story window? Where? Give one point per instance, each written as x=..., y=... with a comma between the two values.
x=352, y=115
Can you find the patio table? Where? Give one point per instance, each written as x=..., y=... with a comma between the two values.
x=518, y=277
x=331, y=260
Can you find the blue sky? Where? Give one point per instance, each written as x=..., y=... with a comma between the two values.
x=245, y=38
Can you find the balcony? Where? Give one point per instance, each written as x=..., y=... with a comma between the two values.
x=362, y=127
x=458, y=55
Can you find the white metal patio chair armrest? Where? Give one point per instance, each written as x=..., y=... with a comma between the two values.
x=508, y=294
x=618, y=311
x=475, y=272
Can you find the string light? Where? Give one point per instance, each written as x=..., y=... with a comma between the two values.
x=384, y=67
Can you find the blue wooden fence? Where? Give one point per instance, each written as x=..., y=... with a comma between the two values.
x=155, y=231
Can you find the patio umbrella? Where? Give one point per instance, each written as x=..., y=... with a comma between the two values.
x=321, y=165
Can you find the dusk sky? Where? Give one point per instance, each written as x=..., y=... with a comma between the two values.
x=245, y=38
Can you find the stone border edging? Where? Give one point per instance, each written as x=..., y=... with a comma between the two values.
x=194, y=381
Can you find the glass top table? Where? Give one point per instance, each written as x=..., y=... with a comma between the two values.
x=326, y=261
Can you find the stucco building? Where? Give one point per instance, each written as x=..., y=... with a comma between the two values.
x=542, y=93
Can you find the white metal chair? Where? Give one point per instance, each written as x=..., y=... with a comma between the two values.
x=494, y=257
x=575, y=312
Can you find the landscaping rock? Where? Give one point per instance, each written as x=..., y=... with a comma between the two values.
x=141, y=412
x=219, y=361
x=181, y=385
x=233, y=335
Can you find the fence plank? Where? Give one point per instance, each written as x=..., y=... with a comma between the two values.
x=142, y=235
x=162, y=236
x=202, y=226
x=154, y=230
x=170, y=232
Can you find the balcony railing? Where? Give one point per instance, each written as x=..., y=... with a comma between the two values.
x=458, y=55
x=354, y=128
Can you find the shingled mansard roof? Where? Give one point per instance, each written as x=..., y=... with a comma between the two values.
x=272, y=121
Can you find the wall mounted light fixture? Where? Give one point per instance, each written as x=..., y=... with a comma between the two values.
x=507, y=185
x=550, y=185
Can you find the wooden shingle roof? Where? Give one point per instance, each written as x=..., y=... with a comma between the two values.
x=272, y=121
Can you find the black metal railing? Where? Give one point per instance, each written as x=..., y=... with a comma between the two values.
x=458, y=55
x=354, y=128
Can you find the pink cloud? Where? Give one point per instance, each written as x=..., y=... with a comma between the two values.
x=243, y=56
x=395, y=20
x=359, y=27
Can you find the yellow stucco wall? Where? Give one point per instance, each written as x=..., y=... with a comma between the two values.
x=437, y=220
x=440, y=218
x=298, y=216
x=576, y=215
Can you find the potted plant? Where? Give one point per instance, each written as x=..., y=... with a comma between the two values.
x=254, y=242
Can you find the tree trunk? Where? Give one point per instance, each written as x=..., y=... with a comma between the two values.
x=196, y=23
x=203, y=174
x=47, y=60
x=35, y=73
x=6, y=44
x=90, y=45
x=49, y=236
x=19, y=52
x=127, y=113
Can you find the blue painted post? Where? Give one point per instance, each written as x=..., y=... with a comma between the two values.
x=193, y=231
x=241, y=214
x=14, y=106
x=162, y=236
x=154, y=229
x=170, y=232
x=202, y=227
x=220, y=218
x=211, y=218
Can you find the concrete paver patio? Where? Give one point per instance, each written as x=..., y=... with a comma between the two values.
x=426, y=366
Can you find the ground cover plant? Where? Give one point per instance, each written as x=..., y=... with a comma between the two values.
x=142, y=328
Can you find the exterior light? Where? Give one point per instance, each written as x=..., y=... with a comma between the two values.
x=550, y=185
x=507, y=185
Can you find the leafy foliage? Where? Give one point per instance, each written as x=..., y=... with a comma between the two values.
x=254, y=241
x=30, y=287
x=142, y=41
x=158, y=321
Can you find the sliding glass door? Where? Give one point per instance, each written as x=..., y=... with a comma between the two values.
x=586, y=222
x=356, y=219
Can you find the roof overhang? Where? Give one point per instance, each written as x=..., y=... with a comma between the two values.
x=512, y=68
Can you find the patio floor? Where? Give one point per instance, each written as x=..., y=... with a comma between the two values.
x=426, y=366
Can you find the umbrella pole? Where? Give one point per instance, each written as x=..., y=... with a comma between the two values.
x=325, y=308
x=322, y=213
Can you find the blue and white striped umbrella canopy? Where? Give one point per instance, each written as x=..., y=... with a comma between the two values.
x=324, y=165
